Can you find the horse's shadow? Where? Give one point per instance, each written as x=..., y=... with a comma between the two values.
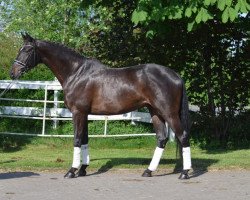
x=14, y=175
x=200, y=166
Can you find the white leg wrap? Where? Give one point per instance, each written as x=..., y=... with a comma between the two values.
x=186, y=153
x=85, y=154
x=76, y=157
x=156, y=159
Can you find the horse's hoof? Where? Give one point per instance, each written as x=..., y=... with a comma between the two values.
x=81, y=173
x=147, y=173
x=70, y=175
x=184, y=175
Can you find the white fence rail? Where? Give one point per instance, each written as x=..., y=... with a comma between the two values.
x=56, y=113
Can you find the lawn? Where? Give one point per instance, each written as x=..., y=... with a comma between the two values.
x=55, y=154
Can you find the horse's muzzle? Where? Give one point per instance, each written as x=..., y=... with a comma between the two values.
x=15, y=72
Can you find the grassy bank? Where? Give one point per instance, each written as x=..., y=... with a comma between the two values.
x=55, y=154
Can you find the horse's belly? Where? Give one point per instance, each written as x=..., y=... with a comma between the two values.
x=115, y=107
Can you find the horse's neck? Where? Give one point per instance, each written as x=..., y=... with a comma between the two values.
x=61, y=65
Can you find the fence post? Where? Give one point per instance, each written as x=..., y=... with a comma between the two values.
x=105, y=125
x=132, y=118
x=44, y=108
x=55, y=122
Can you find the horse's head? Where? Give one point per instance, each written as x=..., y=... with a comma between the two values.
x=26, y=59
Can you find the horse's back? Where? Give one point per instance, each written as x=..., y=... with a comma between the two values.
x=149, y=69
x=151, y=77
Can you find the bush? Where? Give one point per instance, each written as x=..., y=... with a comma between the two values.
x=203, y=136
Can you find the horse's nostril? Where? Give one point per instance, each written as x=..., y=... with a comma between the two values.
x=12, y=75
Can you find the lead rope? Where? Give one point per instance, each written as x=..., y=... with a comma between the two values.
x=8, y=88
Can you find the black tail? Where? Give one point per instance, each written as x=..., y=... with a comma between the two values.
x=185, y=119
x=184, y=114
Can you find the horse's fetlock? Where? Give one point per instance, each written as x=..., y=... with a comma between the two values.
x=77, y=143
x=161, y=143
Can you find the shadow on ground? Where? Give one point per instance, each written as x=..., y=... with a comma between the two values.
x=12, y=175
x=200, y=166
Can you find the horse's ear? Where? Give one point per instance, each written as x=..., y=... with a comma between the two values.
x=27, y=37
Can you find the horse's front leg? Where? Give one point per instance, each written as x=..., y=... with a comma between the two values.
x=80, y=144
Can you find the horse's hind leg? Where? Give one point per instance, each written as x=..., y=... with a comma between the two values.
x=162, y=138
x=175, y=124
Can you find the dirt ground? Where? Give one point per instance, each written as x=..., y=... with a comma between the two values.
x=125, y=185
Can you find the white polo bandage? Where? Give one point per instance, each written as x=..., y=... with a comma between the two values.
x=156, y=159
x=186, y=154
x=85, y=154
x=76, y=157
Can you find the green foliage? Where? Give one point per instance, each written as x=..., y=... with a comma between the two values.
x=203, y=15
x=196, y=11
x=138, y=16
x=8, y=47
x=32, y=126
x=204, y=135
x=212, y=56
x=64, y=21
x=117, y=45
x=41, y=73
x=46, y=19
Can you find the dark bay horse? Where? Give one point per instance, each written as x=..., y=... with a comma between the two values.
x=92, y=88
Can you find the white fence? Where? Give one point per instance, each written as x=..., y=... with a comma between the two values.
x=56, y=113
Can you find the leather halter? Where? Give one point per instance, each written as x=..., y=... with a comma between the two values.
x=25, y=66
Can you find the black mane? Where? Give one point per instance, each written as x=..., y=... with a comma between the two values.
x=64, y=48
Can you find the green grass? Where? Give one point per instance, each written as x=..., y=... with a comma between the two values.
x=66, y=127
x=54, y=154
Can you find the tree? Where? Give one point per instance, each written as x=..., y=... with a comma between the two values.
x=195, y=12
x=47, y=19
x=219, y=78
x=213, y=49
x=201, y=40
x=61, y=21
